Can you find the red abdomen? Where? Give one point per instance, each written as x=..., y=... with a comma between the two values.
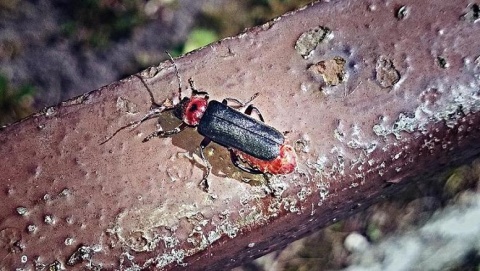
x=285, y=163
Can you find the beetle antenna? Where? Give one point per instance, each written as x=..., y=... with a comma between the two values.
x=178, y=76
x=150, y=93
x=150, y=115
x=156, y=109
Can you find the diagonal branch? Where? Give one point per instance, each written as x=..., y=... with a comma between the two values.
x=370, y=95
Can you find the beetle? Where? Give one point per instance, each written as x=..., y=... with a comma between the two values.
x=254, y=146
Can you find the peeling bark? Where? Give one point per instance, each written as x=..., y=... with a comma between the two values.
x=395, y=113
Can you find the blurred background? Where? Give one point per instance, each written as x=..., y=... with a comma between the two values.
x=55, y=50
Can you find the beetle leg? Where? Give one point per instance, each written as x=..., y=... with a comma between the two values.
x=153, y=113
x=194, y=89
x=204, y=183
x=238, y=102
x=237, y=163
x=161, y=133
x=251, y=108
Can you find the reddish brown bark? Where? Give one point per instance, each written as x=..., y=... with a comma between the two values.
x=388, y=93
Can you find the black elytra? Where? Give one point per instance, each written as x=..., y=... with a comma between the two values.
x=232, y=128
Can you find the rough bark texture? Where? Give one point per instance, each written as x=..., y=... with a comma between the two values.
x=370, y=94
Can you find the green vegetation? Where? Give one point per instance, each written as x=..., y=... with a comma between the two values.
x=14, y=103
x=97, y=22
x=198, y=37
x=234, y=16
x=231, y=18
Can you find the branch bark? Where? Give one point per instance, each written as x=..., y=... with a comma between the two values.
x=371, y=95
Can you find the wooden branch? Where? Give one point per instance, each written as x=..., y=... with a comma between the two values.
x=370, y=95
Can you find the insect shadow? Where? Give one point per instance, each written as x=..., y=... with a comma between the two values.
x=188, y=140
x=254, y=146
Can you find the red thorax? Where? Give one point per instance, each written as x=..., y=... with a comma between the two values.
x=191, y=110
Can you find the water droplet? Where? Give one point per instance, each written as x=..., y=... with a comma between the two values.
x=48, y=219
x=65, y=192
x=402, y=13
x=69, y=220
x=47, y=197
x=31, y=228
x=50, y=112
x=10, y=191
x=22, y=210
x=69, y=241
